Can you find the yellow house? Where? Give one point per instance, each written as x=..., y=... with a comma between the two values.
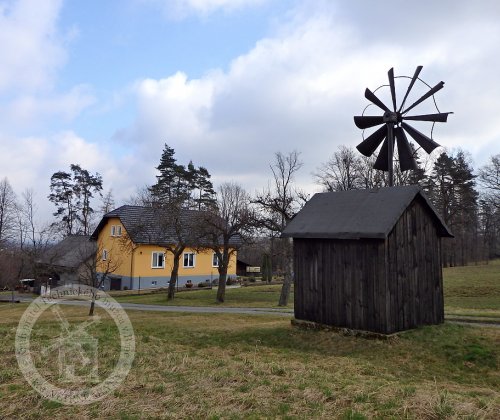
x=133, y=246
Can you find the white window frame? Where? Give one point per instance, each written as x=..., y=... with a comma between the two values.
x=116, y=230
x=105, y=254
x=156, y=253
x=193, y=260
x=215, y=260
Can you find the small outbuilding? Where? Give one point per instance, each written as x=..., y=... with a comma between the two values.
x=369, y=260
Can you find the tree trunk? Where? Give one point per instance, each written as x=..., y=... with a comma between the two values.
x=221, y=290
x=173, y=278
x=92, y=305
x=288, y=280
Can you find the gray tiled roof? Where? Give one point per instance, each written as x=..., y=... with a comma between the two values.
x=357, y=214
x=71, y=252
x=148, y=225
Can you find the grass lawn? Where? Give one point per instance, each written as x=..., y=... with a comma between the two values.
x=235, y=366
x=471, y=290
x=251, y=296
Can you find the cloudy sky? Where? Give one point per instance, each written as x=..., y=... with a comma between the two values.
x=227, y=83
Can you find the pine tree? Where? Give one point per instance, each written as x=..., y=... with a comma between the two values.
x=72, y=194
x=171, y=183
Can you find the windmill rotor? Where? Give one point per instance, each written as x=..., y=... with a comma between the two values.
x=395, y=128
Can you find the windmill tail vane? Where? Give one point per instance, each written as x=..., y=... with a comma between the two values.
x=394, y=127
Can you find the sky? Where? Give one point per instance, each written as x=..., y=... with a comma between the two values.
x=228, y=83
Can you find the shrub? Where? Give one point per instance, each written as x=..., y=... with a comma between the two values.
x=125, y=288
x=202, y=284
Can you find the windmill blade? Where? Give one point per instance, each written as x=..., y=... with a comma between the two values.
x=370, y=144
x=373, y=99
x=442, y=117
x=413, y=80
x=431, y=92
x=365, y=121
x=393, y=87
x=425, y=142
x=382, y=162
x=406, y=159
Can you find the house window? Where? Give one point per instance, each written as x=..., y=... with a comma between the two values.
x=215, y=260
x=158, y=260
x=104, y=254
x=116, y=230
x=189, y=259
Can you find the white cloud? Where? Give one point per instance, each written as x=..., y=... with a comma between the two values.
x=30, y=47
x=179, y=9
x=300, y=88
x=28, y=109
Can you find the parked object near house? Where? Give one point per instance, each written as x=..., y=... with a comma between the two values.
x=137, y=237
x=369, y=260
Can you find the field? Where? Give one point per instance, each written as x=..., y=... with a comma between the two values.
x=240, y=366
x=473, y=290
x=262, y=296
x=470, y=291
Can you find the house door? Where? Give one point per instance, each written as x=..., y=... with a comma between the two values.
x=116, y=283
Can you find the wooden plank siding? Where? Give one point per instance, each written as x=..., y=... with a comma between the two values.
x=336, y=282
x=375, y=285
x=414, y=270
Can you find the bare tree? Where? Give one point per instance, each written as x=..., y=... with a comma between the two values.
x=349, y=170
x=278, y=204
x=107, y=202
x=7, y=211
x=142, y=197
x=489, y=177
x=9, y=269
x=97, y=264
x=225, y=226
x=341, y=172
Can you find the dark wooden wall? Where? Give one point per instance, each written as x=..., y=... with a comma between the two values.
x=337, y=282
x=374, y=285
x=415, y=282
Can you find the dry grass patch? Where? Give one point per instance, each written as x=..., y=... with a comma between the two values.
x=231, y=366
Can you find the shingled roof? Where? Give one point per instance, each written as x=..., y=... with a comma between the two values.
x=148, y=225
x=358, y=214
x=70, y=253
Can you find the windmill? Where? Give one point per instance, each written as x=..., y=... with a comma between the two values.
x=394, y=127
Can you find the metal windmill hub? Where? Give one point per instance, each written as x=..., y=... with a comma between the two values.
x=392, y=117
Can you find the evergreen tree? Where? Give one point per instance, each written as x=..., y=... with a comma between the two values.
x=177, y=189
x=62, y=195
x=171, y=182
x=85, y=185
x=451, y=188
x=72, y=193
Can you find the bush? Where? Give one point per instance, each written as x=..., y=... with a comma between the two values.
x=202, y=284
x=125, y=288
x=230, y=281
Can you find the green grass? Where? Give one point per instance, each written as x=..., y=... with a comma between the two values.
x=473, y=290
x=468, y=291
x=234, y=366
x=252, y=296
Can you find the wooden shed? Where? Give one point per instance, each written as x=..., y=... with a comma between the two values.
x=369, y=260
